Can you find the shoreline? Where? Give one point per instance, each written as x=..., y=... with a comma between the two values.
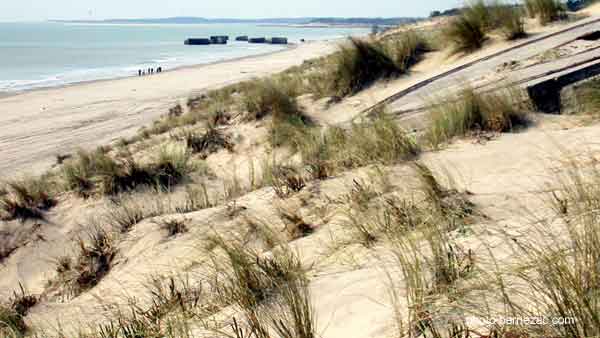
x=288, y=47
x=41, y=123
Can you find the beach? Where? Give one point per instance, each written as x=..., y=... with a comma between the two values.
x=37, y=125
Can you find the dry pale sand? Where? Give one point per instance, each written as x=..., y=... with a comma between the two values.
x=36, y=126
x=351, y=291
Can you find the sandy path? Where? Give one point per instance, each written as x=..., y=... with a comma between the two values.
x=37, y=125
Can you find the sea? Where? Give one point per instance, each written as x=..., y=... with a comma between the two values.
x=48, y=54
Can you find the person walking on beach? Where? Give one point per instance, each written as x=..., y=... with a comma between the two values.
x=139, y=72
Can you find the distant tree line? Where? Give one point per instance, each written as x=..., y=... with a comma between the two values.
x=365, y=21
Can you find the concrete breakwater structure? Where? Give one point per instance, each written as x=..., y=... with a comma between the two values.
x=223, y=39
x=195, y=41
x=219, y=39
x=257, y=40
x=278, y=41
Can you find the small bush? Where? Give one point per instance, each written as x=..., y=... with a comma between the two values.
x=545, y=10
x=500, y=111
x=26, y=198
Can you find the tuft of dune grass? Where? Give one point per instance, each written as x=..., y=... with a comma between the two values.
x=26, y=198
x=359, y=64
x=267, y=97
x=96, y=172
x=468, y=31
x=559, y=256
x=375, y=140
x=500, y=111
x=92, y=263
x=546, y=11
x=13, y=312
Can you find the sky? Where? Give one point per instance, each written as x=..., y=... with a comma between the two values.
x=36, y=10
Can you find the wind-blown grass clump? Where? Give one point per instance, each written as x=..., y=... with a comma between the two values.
x=207, y=143
x=267, y=97
x=271, y=292
x=359, y=64
x=499, y=111
x=561, y=256
x=587, y=97
x=278, y=100
x=545, y=10
x=12, y=314
x=94, y=261
x=377, y=140
x=406, y=49
x=26, y=198
x=97, y=173
x=511, y=22
x=469, y=30
x=252, y=279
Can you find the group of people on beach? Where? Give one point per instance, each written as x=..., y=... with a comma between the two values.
x=149, y=71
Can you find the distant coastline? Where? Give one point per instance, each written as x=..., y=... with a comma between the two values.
x=310, y=22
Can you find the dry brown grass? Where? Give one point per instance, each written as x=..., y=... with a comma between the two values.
x=26, y=198
x=92, y=263
x=98, y=173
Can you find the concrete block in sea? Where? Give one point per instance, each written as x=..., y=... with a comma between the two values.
x=278, y=41
x=257, y=40
x=197, y=41
x=242, y=38
x=219, y=39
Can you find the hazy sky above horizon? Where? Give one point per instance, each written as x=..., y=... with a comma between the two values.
x=34, y=10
